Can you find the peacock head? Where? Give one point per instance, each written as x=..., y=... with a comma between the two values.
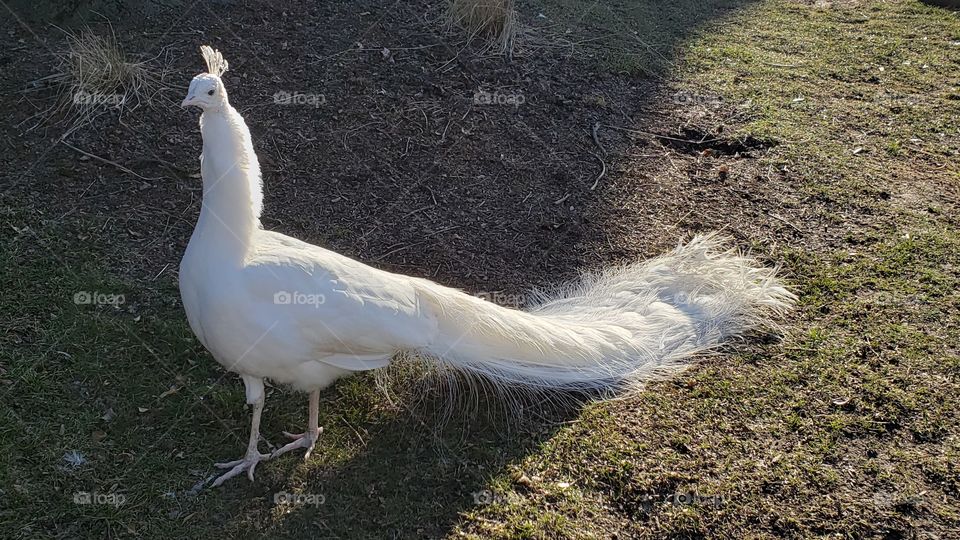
x=206, y=89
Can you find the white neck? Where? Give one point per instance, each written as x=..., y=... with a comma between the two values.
x=232, y=192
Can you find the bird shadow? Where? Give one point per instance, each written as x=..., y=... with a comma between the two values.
x=416, y=469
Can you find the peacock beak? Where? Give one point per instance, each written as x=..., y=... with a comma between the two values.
x=187, y=102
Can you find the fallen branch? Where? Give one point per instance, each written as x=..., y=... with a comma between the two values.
x=657, y=135
x=603, y=164
x=108, y=162
x=596, y=139
x=603, y=171
x=778, y=218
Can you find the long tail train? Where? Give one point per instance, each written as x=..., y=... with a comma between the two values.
x=614, y=330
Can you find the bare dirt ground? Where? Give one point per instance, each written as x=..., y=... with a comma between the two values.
x=399, y=165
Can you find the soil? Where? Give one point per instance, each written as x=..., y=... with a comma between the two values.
x=397, y=164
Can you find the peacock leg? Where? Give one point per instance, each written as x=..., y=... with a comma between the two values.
x=249, y=462
x=309, y=438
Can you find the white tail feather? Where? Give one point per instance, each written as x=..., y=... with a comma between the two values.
x=612, y=331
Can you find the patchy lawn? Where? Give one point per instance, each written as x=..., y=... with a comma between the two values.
x=821, y=135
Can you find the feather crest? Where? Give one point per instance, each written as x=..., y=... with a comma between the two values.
x=216, y=65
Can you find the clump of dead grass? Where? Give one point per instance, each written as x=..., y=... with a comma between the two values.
x=95, y=76
x=494, y=21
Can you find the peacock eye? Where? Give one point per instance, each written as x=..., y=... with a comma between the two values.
x=210, y=93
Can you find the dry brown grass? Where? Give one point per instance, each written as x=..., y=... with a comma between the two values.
x=95, y=76
x=494, y=21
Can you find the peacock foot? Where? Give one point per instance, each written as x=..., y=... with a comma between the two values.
x=248, y=463
x=300, y=440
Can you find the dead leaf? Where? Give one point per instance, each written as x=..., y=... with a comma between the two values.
x=173, y=390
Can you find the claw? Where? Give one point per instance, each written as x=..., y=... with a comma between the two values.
x=300, y=440
x=249, y=464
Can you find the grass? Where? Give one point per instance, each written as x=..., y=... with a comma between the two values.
x=848, y=428
x=860, y=408
x=494, y=21
x=96, y=76
x=852, y=430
